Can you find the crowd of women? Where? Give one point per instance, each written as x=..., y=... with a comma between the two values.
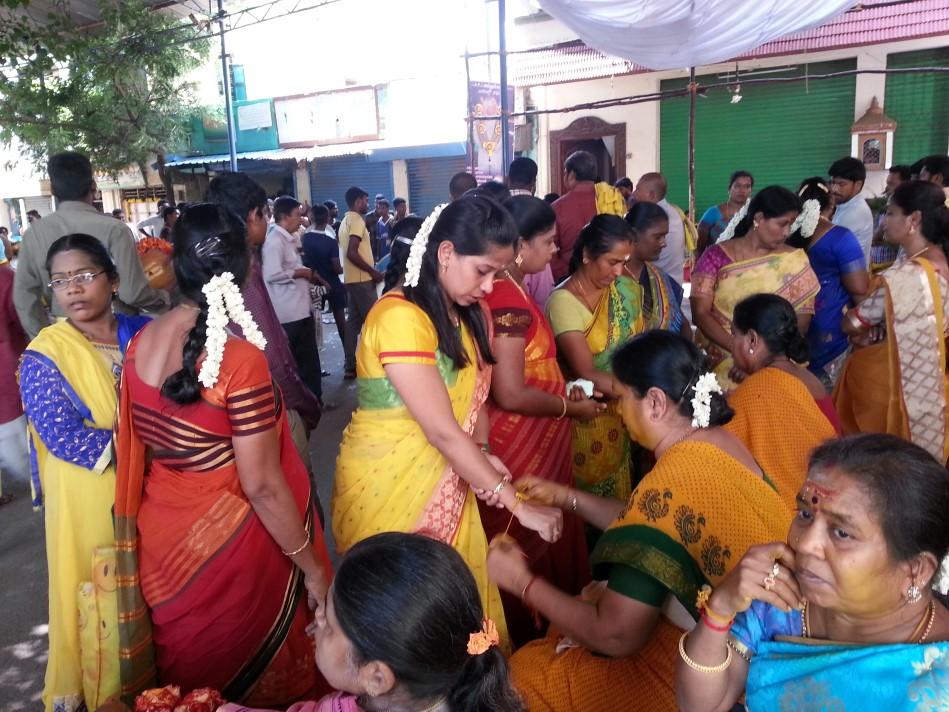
x=568, y=506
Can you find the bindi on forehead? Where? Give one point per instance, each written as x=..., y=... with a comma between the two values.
x=814, y=493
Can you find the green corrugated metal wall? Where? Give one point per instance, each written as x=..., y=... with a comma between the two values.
x=781, y=133
x=919, y=103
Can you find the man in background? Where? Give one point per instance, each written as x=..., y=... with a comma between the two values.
x=625, y=186
x=847, y=177
x=936, y=170
x=401, y=209
x=74, y=188
x=882, y=253
x=151, y=227
x=522, y=176
x=460, y=184
x=359, y=274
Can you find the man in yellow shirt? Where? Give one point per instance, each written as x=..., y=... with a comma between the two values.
x=359, y=274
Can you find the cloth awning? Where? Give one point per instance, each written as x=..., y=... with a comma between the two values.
x=675, y=34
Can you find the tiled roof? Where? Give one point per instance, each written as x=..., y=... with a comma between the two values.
x=871, y=23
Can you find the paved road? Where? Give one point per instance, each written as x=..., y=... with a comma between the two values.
x=23, y=592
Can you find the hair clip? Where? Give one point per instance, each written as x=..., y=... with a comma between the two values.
x=485, y=639
x=208, y=247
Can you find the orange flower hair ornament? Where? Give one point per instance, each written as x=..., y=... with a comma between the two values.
x=486, y=638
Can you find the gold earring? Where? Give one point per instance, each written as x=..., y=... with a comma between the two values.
x=519, y=260
x=444, y=266
x=751, y=351
x=756, y=224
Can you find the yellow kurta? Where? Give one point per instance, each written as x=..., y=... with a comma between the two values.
x=388, y=476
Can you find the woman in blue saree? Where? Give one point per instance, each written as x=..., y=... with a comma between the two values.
x=842, y=617
x=837, y=259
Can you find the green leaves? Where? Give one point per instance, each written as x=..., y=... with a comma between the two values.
x=115, y=90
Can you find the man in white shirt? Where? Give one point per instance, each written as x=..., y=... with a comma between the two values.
x=288, y=284
x=151, y=227
x=652, y=188
x=847, y=177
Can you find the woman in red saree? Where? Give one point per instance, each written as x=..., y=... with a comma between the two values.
x=217, y=542
x=530, y=411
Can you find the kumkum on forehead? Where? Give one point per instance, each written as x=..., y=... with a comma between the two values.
x=812, y=492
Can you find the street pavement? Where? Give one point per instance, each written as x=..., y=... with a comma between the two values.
x=23, y=582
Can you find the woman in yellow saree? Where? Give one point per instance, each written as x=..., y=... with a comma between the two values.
x=410, y=456
x=689, y=521
x=896, y=383
x=595, y=311
x=68, y=377
x=755, y=261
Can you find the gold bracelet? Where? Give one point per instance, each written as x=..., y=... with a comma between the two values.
x=564, y=414
x=703, y=668
x=303, y=546
x=573, y=502
x=499, y=487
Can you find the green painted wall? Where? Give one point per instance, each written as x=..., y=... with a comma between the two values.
x=781, y=133
x=919, y=103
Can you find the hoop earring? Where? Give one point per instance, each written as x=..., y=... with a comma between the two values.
x=913, y=594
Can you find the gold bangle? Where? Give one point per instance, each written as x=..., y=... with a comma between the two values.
x=705, y=669
x=564, y=414
x=303, y=546
x=573, y=501
x=499, y=487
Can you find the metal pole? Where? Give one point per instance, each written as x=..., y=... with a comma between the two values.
x=692, y=94
x=228, y=109
x=505, y=109
x=471, y=146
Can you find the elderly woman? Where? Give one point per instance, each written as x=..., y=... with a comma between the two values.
x=680, y=530
x=844, y=613
x=594, y=312
x=771, y=350
x=530, y=411
x=756, y=260
x=895, y=380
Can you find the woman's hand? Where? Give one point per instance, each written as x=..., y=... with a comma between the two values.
x=875, y=335
x=545, y=492
x=489, y=497
x=546, y=521
x=316, y=587
x=750, y=581
x=507, y=565
x=584, y=409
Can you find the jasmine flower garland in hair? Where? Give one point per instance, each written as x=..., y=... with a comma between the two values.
x=702, y=401
x=941, y=580
x=808, y=218
x=729, y=230
x=413, y=265
x=225, y=304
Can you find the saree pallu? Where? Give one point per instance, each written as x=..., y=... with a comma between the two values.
x=206, y=597
x=77, y=506
x=601, y=449
x=899, y=386
x=388, y=476
x=727, y=282
x=531, y=445
x=665, y=300
x=684, y=528
x=762, y=403
x=796, y=674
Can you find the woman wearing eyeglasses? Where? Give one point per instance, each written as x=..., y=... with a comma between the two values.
x=68, y=378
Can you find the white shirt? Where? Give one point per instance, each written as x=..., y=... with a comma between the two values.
x=672, y=259
x=856, y=216
x=290, y=295
x=152, y=226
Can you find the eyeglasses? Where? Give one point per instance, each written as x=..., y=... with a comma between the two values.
x=58, y=285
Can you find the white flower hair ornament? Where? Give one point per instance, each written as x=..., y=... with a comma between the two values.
x=941, y=580
x=413, y=265
x=808, y=218
x=729, y=232
x=705, y=386
x=225, y=304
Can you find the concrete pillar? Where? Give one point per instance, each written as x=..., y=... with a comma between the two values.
x=867, y=87
x=301, y=181
x=400, y=180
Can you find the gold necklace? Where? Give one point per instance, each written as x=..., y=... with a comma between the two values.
x=929, y=617
x=917, y=254
x=583, y=294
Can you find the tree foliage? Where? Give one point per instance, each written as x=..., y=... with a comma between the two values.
x=115, y=89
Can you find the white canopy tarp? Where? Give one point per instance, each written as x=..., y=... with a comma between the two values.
x=674, y=34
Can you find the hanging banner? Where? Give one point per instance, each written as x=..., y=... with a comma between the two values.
x=484, y=146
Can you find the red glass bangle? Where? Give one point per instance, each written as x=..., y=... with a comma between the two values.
x=709, y=623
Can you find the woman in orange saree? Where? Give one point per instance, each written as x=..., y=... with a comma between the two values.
x=896, y=383
x=217, y=542
x=530, y=412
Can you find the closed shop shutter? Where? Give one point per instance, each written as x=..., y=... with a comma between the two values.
x=428, y=181
x=919, y=103
x=42, y=204
x=330, y=178
x=781, y=133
